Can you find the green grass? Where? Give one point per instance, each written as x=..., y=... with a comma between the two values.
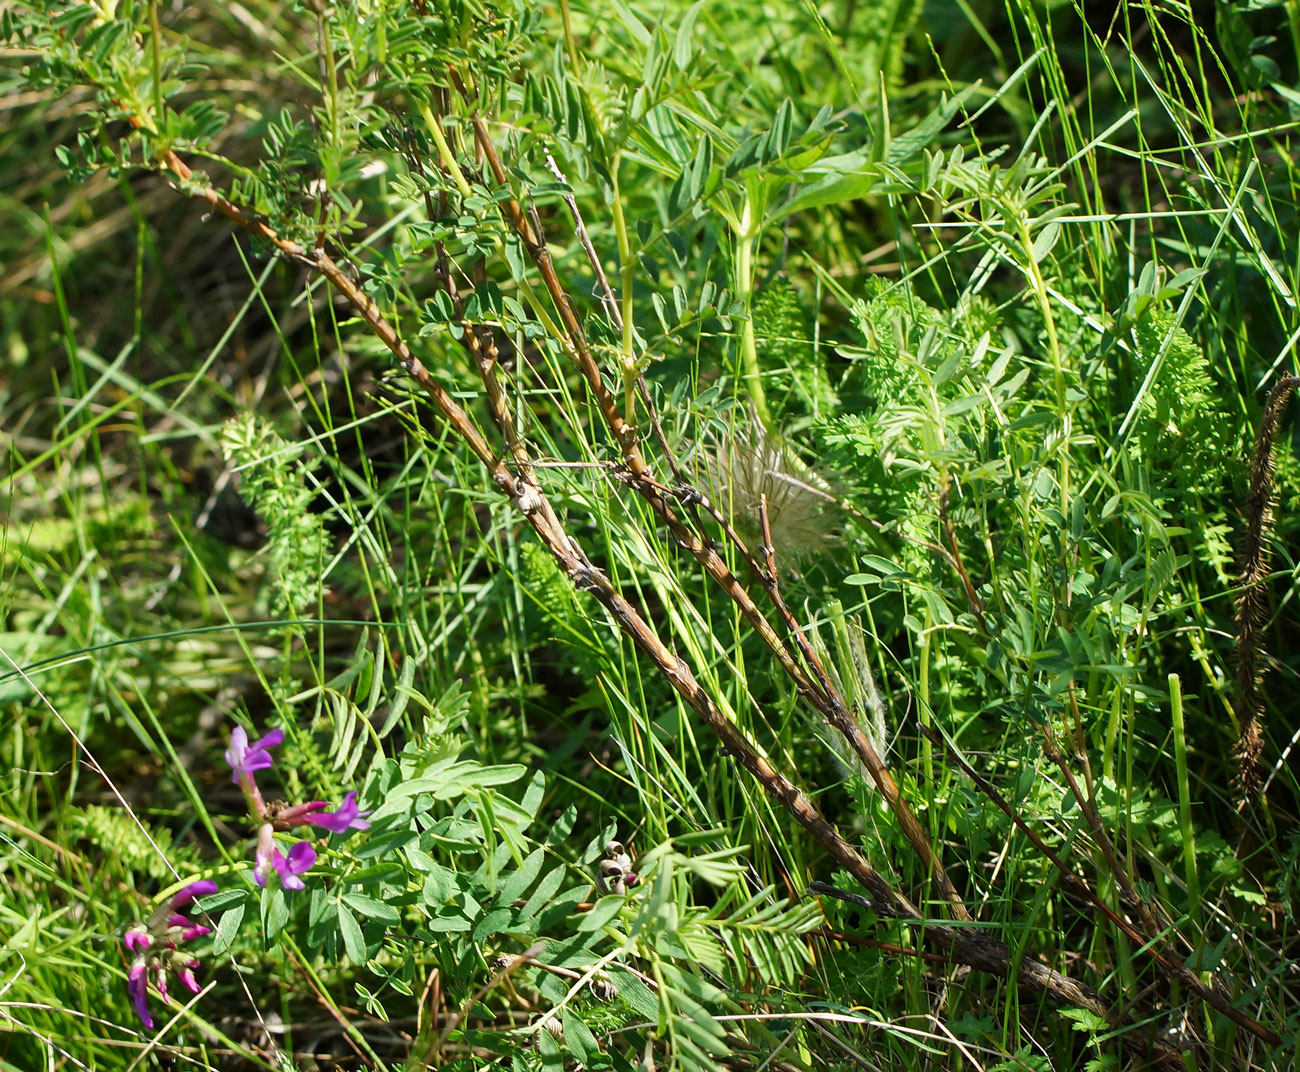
x=986, y=302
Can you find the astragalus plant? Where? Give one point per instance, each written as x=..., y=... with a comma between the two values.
x=778, y=459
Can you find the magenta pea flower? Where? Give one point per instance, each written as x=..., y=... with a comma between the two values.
x=156, y=946
x=186, y=894
x=137, y=985
x=266, y=851
x=245, y=759
x=347, y=816
x=285, y=816
x=299, y=860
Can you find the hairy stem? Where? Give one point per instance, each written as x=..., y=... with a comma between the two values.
x=1252, y=610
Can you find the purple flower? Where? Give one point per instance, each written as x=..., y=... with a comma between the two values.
x=266, y=851
x=137, y=985
x=244, y=758
x=137, y=938
x=186, y=975
x=155, y=946
x=188, y=929
x=284, y=816
x=347, y=817
x=300, y=859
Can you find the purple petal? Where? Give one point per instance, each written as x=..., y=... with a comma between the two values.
x=236, y=752
x=266, y=853
x=300, y=859
x=347, y=817
x=137, y=938
x=137, y=985
x=201, y=888
x=269, y=740
x=187, y=927
x=186, y=976
x=160, y=980
x=245, y=758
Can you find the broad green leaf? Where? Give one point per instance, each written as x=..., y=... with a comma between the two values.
x=372, y=908
x=515, y=883
x=839, y=179
x=353, y=941
x=602, y=912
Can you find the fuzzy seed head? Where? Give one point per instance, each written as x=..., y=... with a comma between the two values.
x=757, y=465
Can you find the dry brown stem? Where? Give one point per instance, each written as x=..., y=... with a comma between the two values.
x=1151, y=938
x=1252, y=610
x=820, y=695
x=955, y=557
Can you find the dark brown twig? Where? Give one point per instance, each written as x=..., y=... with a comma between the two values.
x=1076, y=884
x=972, y=597
x=1088, y=808
x=1252, y=611
x=1152, y=943
x=828, y=703
x=957, y=907
x=977, y=604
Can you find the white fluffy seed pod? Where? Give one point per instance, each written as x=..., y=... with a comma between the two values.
x=757, y=463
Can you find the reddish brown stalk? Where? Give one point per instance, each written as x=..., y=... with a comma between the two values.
x=531, y=501
x=972, y=597
x=1252, y=611
x=917, y=835
x=1088, y=808
x=887, y=947
x=827, y=702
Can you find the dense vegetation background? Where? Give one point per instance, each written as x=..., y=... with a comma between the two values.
x=837, y=414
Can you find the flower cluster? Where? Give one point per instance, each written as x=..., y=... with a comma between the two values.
x=245, y=759
x=155, y=947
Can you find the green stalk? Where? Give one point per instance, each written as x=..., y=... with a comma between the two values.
x=1039, y=286
x=445, y=154
x=923, y=697
x=627, y=276
x=448, y=159
x=746, y=246
x=570, y=46
x=330, y=90
x=1185, y=806
x=155, y=60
